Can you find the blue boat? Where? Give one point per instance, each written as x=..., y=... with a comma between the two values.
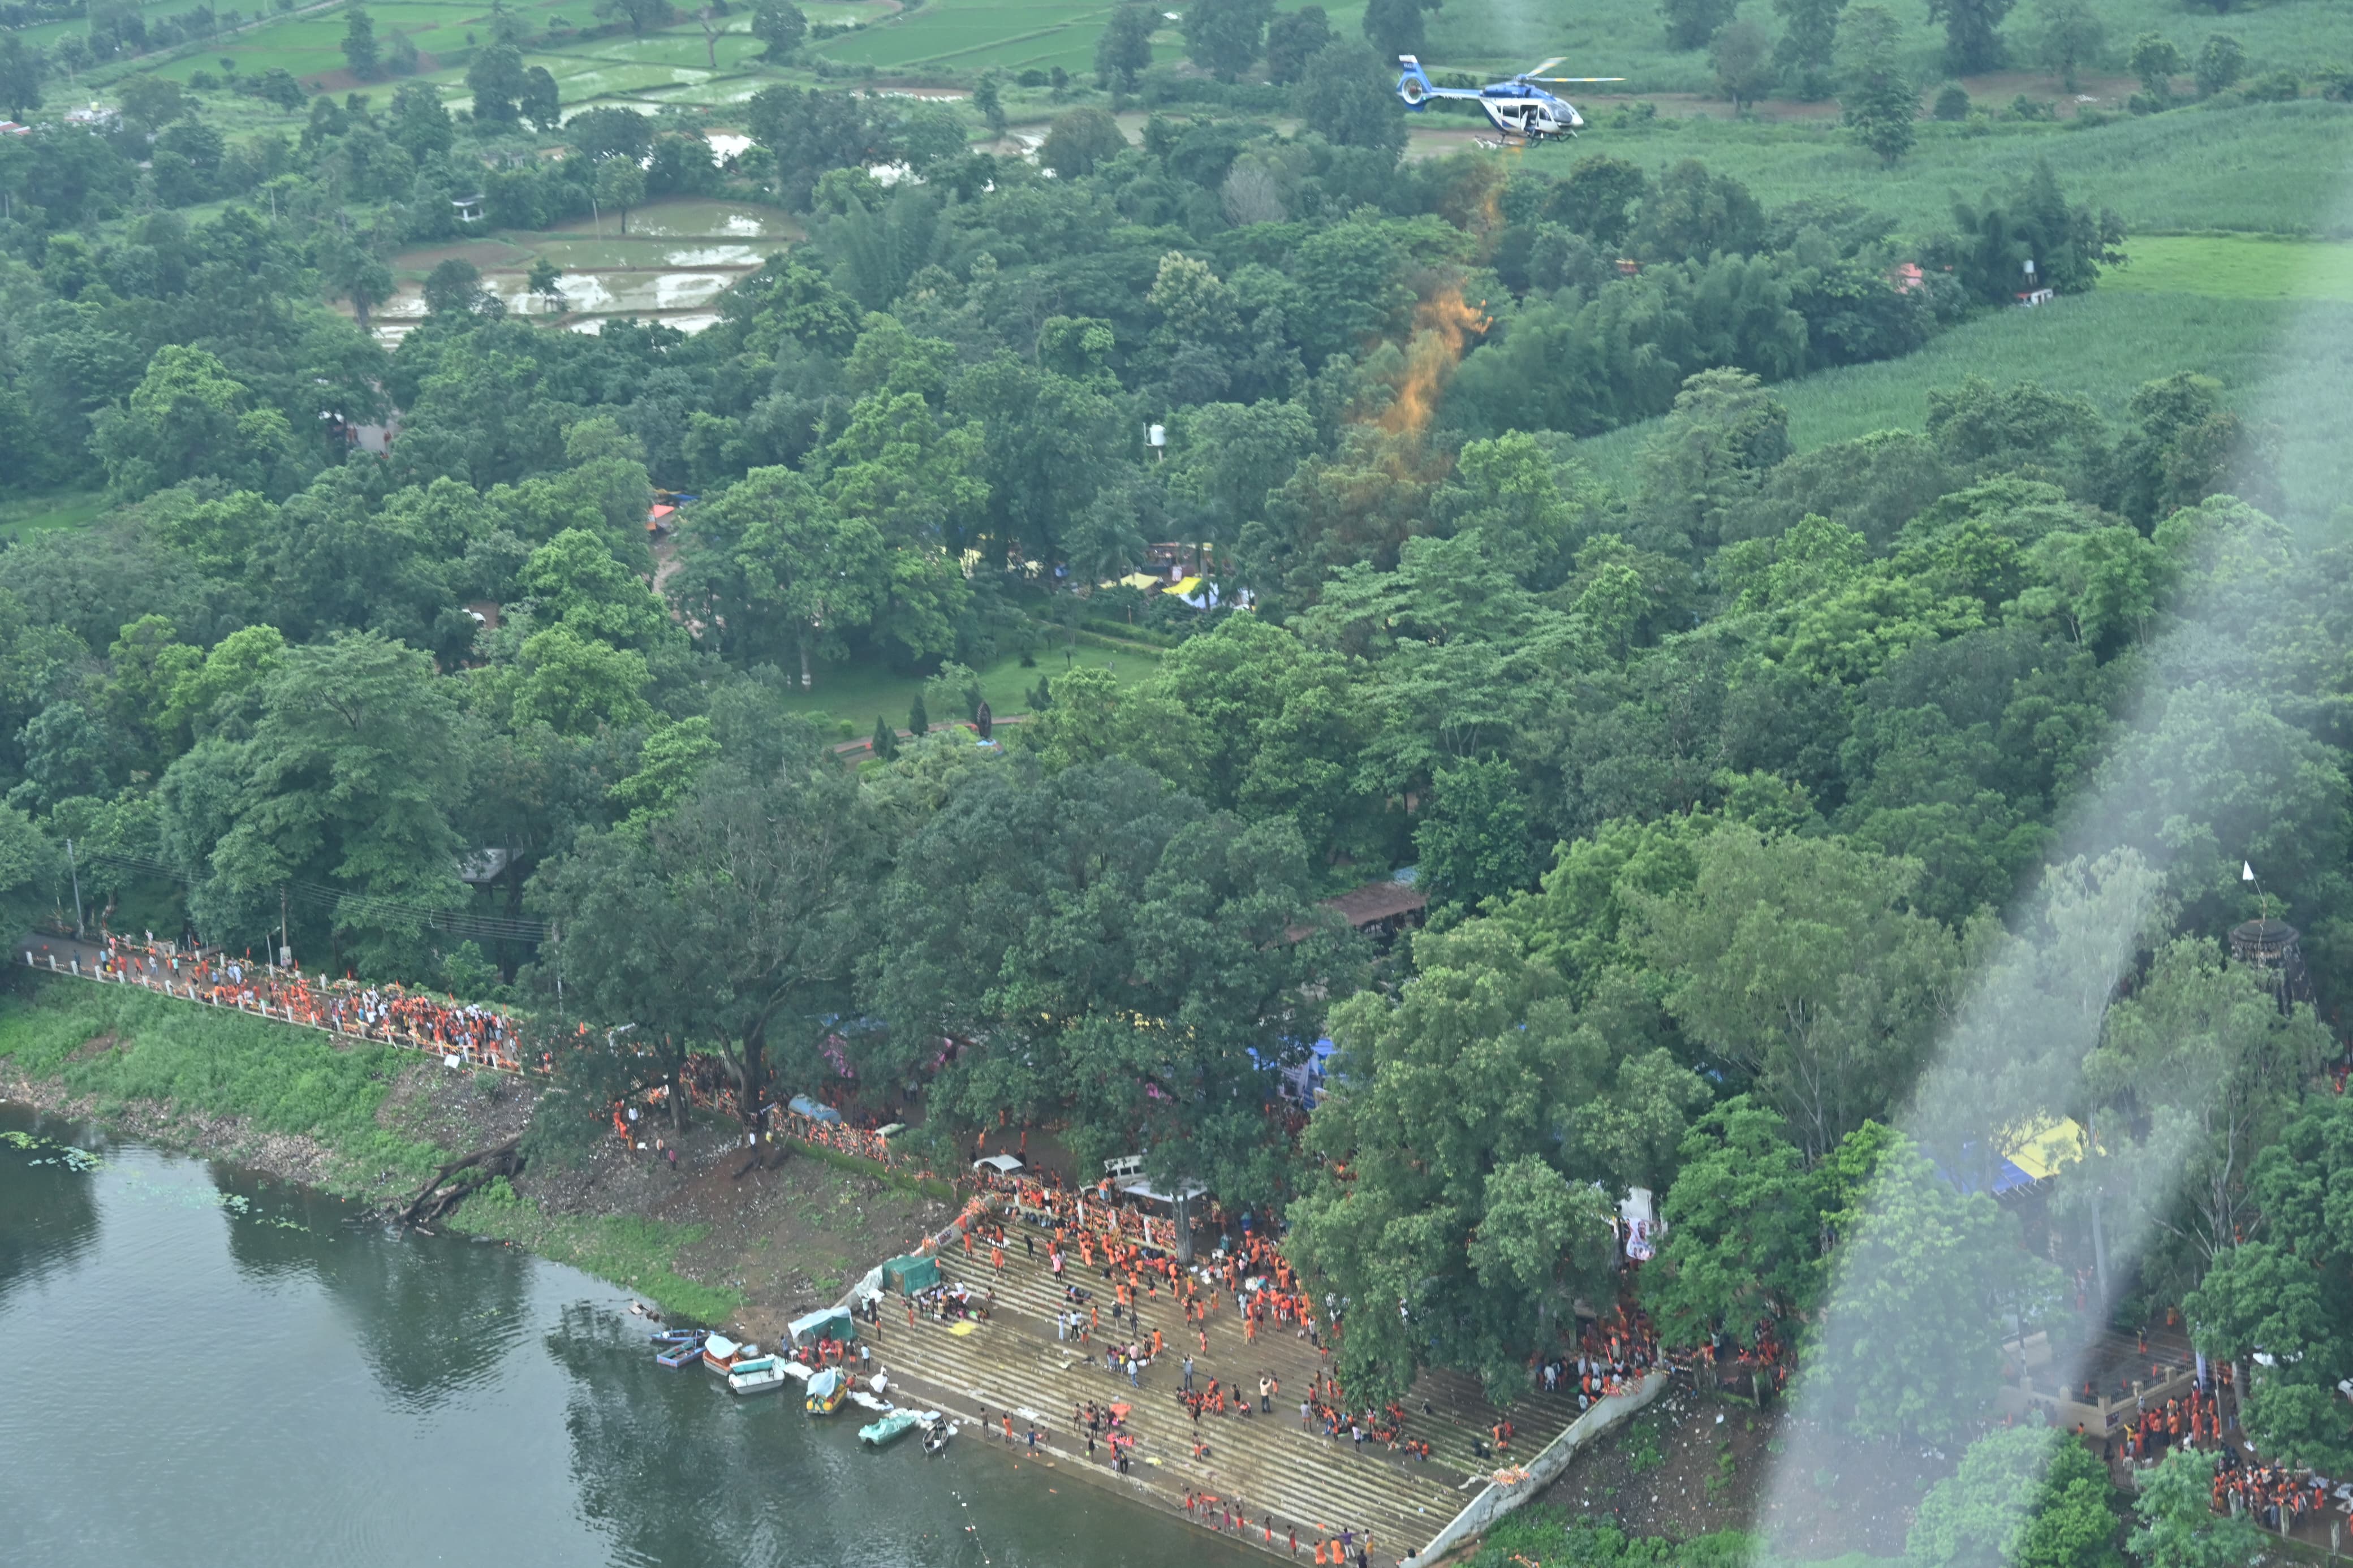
x=686, y=1353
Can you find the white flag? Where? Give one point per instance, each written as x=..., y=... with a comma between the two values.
x=2246, y=871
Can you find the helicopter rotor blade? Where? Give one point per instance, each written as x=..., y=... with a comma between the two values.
x=1569, y=80
x=1534, y=71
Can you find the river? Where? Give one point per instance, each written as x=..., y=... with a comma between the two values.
x=206, y=1367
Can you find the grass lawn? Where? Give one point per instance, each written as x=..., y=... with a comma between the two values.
x=35, y=514
x=859, y=693
x=2236, y=267
x=2290, y=363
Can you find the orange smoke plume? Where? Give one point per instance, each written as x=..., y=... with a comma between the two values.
x=1442, y=325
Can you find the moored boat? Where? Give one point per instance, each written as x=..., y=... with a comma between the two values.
x=686, y=1353
x=760, y=1374
x=720, y=1354
x=891, y=1427
x=828, y=1391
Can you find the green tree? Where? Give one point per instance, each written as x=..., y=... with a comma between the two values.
x=545, y=282
x=2072, y=38
x=2156, y=60
x=496, y=78
x=1223, y=37
x=2222, y=61
x=1808, y=43
x=345, y=786
x=576, y=685
x=1293, y=39
x=639, y=14
x=541, y=101
x=359, y=43
x=1692, y=22
x=1123, y=52
x=1879, y=105
x=668, y=767
x=1467, y=1103
x=781, y=569
x=1921, y=1285
x=1973, y=40
x=1741, y=1233
x=919, y=722
x=2030, y=1495
x=1344, y=94
x=886, y=742
x=1079, y=139
x=1741, y=55
x=620, y=183
x=988, y=95
x=2289, y=1294
x=780, y=25
x=1109, y=953
x=186, y=417
x=2179, y=1527
x=21, y=68
x=1799, y=960
x=732, y=922
x=1394, y=26
x=354, y=271
x=1473, y=842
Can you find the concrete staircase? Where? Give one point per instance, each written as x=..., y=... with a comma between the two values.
x=1278, y=1469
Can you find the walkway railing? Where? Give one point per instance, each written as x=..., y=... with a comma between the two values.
x=462, y=1035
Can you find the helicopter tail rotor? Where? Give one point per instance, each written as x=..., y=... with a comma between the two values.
x=1413, y=84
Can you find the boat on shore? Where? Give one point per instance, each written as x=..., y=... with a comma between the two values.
x=720, y=1354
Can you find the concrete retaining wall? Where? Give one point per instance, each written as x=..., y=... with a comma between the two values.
x=1494, y=1501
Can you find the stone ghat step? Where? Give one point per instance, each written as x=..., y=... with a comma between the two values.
x=1299, y=1484
x=1028, y=1297
x=1013, y=1361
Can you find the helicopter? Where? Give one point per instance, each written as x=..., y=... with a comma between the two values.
x=1520, y=107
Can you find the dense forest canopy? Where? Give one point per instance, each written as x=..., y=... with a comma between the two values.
x=1729, y=785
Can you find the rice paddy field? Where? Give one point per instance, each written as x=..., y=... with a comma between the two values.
x=2287, y=360
x=1599, y=37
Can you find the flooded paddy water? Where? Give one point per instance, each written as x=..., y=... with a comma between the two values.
x=679, y=256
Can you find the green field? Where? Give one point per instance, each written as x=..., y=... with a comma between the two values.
x=35, y=514
x=861, y=692
x=2288, y=363
x=2236, y=267
x=2262, y=168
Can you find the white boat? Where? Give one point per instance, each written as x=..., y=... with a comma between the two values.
x=763, y=1375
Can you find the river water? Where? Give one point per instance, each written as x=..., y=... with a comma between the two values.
x=204, y=1367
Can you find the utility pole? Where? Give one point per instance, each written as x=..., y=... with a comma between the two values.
x=74, y=868
x=285, y=952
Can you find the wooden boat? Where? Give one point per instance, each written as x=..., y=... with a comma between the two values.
x=677, y=1336
x=828, y=1392
x=720, y=1352
x=760, y=1374
x=935, y=1438
x=889, y=1428
x=684, y=1353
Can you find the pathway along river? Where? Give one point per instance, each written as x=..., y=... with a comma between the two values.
x=204, y=1367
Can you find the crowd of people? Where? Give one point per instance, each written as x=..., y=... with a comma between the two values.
x=390, y=1014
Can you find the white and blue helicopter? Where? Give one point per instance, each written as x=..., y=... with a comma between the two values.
x=1520, y=107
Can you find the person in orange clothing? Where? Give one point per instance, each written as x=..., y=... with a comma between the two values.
x=1322, y=1553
